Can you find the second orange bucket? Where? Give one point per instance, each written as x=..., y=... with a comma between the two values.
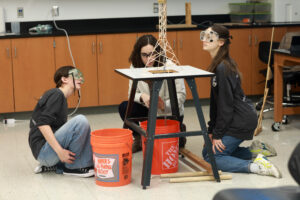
x=165, y=151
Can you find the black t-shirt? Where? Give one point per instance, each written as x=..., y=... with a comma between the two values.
x=51, y=109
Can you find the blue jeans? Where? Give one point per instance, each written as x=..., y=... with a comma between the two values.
x=75, y=137
x=233, y=158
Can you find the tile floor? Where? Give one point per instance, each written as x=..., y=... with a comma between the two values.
x=17, y=180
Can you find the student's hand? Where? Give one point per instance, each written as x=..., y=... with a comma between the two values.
x=217, y=144
x=66, y=156
x=146, y=99
x=161, y=104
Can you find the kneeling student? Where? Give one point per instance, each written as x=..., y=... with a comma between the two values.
x=233, y=118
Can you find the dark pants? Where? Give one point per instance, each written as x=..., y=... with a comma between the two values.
x=138, y=110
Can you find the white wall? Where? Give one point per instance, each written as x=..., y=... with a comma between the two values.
x=39, y=10
x=285, y=10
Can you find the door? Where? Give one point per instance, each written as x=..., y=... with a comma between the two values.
x=113, y=53
x=240, y=51
x=33, y=70
x=293, y=29
x=6, y=80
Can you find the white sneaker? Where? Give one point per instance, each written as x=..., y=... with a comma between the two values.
x=266, y=167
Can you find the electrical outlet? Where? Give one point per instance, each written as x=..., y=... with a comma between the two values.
x=20, y=12
x=155, y=7
x=55, y=11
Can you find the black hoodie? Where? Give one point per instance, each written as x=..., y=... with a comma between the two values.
x=231, y=113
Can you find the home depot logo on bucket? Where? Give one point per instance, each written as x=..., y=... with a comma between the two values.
x=169, y=155
x=165, y=150
x=107, y=167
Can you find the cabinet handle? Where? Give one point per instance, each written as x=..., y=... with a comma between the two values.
x=255, y=40
x=100, y=47
x=7, y=53
x=174, y=42
x=93, y=48
x=15, y=52
x=250, y=40
x=181, y=44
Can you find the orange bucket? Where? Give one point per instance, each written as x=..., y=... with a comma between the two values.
x=112, y=155
x=165, y=151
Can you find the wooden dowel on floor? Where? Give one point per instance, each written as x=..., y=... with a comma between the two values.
x=199, y=178
x=187, y=174
x=199, y=161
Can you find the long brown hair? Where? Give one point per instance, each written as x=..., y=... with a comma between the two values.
x=135, y=57
x=223, y=52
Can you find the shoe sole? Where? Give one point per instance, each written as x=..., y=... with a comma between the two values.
x=280, y=175
x=86, y=175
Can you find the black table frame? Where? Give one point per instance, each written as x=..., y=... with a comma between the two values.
x=152, y=116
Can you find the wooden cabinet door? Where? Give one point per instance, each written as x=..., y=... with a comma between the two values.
x=190, y=52
x=33, y=70
x=293, y=29
x=6, y=80
x=240, y=51
x=85, y=58
x=259, y=35
x=113, y=53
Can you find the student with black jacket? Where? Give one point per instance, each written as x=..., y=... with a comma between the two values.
x=233, y=118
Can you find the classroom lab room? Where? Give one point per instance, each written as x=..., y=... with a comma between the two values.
x=150, y=99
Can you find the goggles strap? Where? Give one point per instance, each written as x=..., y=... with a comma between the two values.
x=73, y=81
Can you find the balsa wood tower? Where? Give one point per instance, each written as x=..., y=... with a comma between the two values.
x=162, y=50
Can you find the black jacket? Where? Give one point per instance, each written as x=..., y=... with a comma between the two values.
x=51, y=109
x=231, y=113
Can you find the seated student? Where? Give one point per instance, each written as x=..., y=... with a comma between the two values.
x=233, y=118
x=140, y=56
x=55, y=141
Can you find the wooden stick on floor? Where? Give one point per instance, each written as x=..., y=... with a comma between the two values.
x=199, y=161
x=268, y=77
x=187, y=174
x=199, y=178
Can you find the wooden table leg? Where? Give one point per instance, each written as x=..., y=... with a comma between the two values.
x=278, y=89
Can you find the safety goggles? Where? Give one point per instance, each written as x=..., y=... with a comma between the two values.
x=147, y=55
x=209, y=36
x=76, y=74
